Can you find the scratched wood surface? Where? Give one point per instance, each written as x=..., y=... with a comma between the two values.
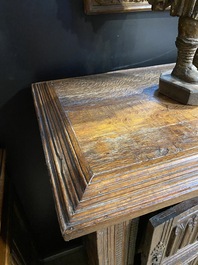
x=115, y=148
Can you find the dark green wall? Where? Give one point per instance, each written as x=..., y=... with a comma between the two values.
x=50, y=39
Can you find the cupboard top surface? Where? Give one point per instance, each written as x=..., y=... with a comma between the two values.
x=115, y=147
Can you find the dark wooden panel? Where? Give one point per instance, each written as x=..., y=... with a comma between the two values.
x=172, y=236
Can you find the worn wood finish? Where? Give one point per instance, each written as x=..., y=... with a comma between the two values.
x=2, y=178
x=116, y=6
x=115, y=148
x=114, y=245
x=193, y=262
x=172, y=236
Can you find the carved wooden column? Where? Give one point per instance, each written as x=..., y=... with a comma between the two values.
x=115, y=148
x=113, y=245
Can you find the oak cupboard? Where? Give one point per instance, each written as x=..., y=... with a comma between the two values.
x=116, y=150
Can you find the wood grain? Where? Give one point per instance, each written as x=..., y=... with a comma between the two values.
x=113, y=245
x=115, y=148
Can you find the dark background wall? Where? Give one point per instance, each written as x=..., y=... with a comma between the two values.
x=50, y=39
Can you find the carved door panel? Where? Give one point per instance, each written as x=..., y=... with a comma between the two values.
x=172, y=236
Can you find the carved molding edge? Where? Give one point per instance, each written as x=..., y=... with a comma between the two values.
x=61, y=156
x=157, y=253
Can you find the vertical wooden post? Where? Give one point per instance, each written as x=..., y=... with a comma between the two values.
x=114, y=245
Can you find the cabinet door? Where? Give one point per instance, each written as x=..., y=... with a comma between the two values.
x=172, y=236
